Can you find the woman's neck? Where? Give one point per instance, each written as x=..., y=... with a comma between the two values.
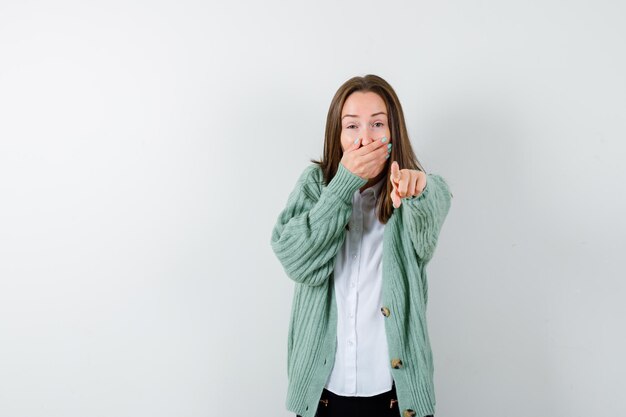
x=373, y=181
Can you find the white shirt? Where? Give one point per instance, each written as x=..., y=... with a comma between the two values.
x=362, y=365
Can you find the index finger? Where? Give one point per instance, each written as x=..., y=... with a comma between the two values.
x=395, y=171
x=354, y=145
x=371, y=147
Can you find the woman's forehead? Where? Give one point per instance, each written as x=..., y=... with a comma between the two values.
x=363, y=104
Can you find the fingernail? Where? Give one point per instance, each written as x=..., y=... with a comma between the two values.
x=384, y=139
x=356, y=141
x=387, y=157
x=389, y=146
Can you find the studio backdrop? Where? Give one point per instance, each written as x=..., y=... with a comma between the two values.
x=147, y=148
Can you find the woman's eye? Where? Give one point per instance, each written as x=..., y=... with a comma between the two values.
x=379, y=123
x=350, y=126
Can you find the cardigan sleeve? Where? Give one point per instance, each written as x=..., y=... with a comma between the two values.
x=311, y=228
x=423, y=215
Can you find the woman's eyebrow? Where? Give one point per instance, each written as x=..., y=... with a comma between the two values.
x=354, y=115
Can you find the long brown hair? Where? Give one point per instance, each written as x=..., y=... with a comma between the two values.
x=402, y=150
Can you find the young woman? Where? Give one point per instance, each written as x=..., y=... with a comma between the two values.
x=356, y=234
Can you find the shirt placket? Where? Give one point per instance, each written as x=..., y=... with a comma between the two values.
x=356, y=237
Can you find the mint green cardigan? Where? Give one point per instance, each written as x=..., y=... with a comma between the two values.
x=306, y=238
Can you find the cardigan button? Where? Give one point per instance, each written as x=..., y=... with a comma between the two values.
x=409, y=413
x=396, y=363
x=385, y=311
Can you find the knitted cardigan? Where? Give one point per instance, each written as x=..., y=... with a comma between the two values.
x=306, y=238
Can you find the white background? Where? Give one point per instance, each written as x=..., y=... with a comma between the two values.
x=146, y=149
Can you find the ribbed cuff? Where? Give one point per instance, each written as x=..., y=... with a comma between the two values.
x=345, y=183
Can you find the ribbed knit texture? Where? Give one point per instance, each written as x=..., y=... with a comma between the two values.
x=306, y=238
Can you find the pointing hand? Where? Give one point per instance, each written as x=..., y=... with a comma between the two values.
x=405, y=183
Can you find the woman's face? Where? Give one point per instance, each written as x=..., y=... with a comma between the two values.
x=364, y=116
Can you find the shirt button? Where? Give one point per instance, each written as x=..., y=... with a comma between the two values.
x=396, y=363
x=350, y=342
x=409, y=413
x=352, y=284
x=351, y=315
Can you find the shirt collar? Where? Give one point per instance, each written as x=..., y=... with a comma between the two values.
x=373, y=189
